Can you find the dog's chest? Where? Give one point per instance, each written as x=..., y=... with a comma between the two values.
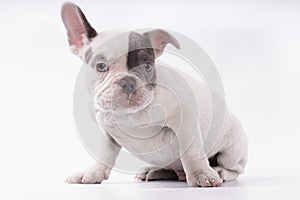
x=156, y=145
x=135, y=130
x=151, y=142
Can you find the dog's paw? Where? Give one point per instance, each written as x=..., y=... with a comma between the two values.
x=75, y=178
x=92, y=176
x=154, y=173
x=225, y=174
x=204, y=178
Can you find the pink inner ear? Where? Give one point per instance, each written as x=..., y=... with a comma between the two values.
x=159, y=48
x=159, y=39
x=158, y=44
x=74, y=25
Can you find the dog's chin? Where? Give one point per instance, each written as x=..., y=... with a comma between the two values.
x=121, y=103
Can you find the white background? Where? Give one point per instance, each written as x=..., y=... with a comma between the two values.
x=255, y=46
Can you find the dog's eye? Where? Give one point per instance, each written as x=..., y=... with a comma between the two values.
x=148, y=67
x=101, y=67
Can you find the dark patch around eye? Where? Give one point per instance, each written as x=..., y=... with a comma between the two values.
x=140, y=50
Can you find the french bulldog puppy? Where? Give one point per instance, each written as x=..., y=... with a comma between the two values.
x=159, y=114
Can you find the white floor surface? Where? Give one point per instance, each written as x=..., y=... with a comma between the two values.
x=123, y=187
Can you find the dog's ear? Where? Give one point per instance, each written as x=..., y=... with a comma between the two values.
x=159, y=39
x=79, y=31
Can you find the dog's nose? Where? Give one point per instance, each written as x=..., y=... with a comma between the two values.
x=127, y=84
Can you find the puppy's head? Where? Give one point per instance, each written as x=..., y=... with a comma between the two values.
x=124, y=61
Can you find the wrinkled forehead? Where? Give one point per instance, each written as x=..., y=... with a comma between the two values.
x=110, y=45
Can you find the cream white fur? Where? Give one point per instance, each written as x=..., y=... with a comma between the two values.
x=177, y=138
x=232, y=143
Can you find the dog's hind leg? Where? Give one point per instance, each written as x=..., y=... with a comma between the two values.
x=232, y=159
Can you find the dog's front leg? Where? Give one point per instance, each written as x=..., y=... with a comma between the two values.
x=195, y=162
x=100, y=171
x=193, y=157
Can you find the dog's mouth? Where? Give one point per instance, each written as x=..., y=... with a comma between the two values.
x=133, y=101
x=114, y=99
